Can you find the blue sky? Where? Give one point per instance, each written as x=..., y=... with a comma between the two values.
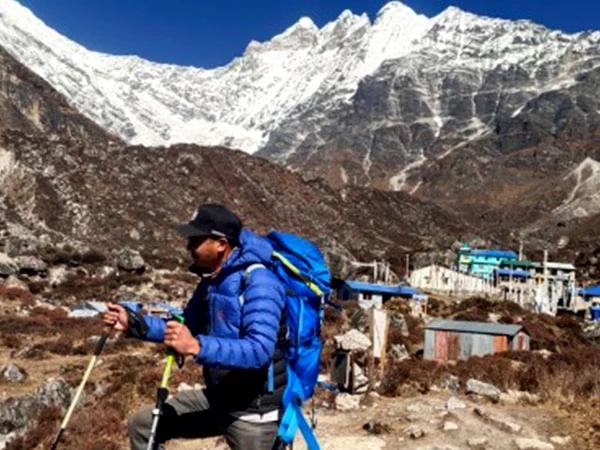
x=210, y=33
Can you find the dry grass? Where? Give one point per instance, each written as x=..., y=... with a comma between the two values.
x=567, y=378
x=16, y=293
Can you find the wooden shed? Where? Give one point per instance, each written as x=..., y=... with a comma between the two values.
x=456, y=339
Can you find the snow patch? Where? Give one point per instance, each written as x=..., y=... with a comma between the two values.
x=584, y=198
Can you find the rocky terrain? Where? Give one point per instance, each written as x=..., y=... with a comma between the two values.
x=544, y=399
x=494, y=120
x=66, y=183
x=86, y=216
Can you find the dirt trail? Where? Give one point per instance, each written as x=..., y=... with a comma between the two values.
x=428, y=413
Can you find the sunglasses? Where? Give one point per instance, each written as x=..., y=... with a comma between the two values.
x=195, y=241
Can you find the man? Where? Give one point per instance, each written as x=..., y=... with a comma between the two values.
x=232, y=328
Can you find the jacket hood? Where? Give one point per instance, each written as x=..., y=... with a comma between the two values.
x=253, y=249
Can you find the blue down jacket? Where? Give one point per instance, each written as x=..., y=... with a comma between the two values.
x=234, y=332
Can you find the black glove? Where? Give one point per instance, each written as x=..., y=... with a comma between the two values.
x=136, y=325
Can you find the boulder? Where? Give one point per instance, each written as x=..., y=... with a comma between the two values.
x=130, y=260
x=453, y=403
x=30, y=265
x=57, y=275
x=484, y=389
x=544, y=353
x=416, y=432
x=13, y=373
x=8, y=266
x=104, y=271
x=450, y=426
x=21, y=245
x=532, y=444
x=54, y=392
x=347, y=402
x=560, y=440
x=451, y=383
x=19, y=413
x=353, y=340
x=398, y=352
x=477, y=443
x=498, y=421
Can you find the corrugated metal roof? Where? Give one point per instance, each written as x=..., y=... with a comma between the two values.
x=505, y=254
x=556, y=266
x=513, y=263
x=515, y=273
x=474, y=327
x=560, y=266
x=381, y=288
x=591, y=291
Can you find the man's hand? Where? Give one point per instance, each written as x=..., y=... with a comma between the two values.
x=116, y=317
x=180, y=339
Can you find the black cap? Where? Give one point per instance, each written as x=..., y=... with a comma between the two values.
x=212, y=220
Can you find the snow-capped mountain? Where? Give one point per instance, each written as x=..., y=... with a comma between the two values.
x=354, y=101
x=237, y=105
x=466, y=78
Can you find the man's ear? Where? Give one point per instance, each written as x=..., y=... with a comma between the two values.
x=222, y=244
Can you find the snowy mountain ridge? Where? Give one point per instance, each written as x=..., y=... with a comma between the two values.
x=235, y=105
x=240, y=104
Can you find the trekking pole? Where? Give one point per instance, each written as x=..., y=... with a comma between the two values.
x=162, y=392
x=99, y=347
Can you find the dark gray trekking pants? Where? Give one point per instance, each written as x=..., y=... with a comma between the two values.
x=188, y=414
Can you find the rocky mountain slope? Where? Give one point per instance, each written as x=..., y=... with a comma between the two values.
x=355, y=101
x=468, y=79
x=495, y=120
x=64, y=181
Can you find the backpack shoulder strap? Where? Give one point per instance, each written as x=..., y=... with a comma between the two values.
x=251, y=268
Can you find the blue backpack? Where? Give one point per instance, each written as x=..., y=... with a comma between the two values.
x=300, y=266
